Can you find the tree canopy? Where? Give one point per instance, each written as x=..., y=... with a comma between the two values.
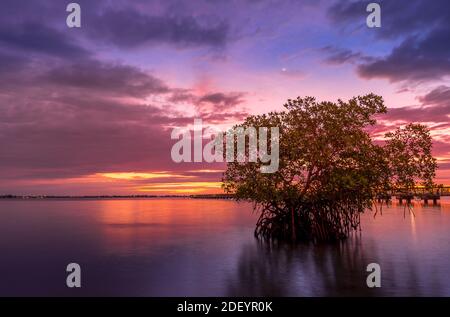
x=330, y=169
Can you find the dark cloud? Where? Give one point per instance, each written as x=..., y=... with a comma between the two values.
x=32, y=38
x=222, y=100
x=51, y=130
x=435, y=107
x=219, y=100
x=438, y=96
x=337, y=56
x=419, y=114
x=420, y=26
x=398, y=18
x=415, y=59
x=83, y=135
x=114, y=79
x=71, y=119
x=216, y=107
x=217, y=118
x=220, y=107
x=130, y=28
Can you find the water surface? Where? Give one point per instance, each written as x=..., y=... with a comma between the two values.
x=194, y=247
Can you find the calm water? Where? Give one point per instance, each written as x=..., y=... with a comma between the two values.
x=184, y=247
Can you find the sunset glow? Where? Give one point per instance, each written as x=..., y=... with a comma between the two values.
x=137, y=176
x=183, y=188
x=90, y=110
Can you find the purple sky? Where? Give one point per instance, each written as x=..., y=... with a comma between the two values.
x=90, y=110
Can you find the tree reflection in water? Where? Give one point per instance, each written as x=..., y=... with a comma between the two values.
x=270, y=269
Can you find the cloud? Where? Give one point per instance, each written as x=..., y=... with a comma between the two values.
x=32, y=38
x=434, y=107
x=419, y=30
x=68, y=119
x=214, y=107
x=220, y=107
x=128, y=28
x=438, y=96
x=218, y=100
x=433, y=110
x=398, y=18
x=337, y=56
x=115, y=79
x=420, y=114
x=70, y=138
x=420, y=37
x=415, y=59
x=221, y=100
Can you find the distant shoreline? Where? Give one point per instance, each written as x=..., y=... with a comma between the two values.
x=43, y=197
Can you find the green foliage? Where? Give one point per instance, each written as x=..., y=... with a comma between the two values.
x=411, y=162
x=330, y=170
